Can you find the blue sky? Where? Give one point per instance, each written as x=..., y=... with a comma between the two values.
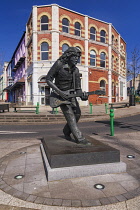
x=123, y=14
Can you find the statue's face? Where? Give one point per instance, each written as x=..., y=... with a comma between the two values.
x=73, y=59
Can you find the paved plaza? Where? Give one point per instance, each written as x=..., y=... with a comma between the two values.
x=121, y=191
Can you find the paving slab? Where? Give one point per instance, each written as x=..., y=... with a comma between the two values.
x=77, y=192
x=122, y=190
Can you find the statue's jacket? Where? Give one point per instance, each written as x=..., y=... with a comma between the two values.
x=65, y=77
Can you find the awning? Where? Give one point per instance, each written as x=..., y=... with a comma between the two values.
x=18, y=84
x=7, y=88
x=20, y=61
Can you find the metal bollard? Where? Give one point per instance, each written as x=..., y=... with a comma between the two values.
x=111, y=122
x=91, y=105
x=56, y=111
x=37, y=108
x=106, y=108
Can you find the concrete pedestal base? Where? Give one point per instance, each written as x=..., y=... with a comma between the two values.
x=54, y=174
x=63, y=153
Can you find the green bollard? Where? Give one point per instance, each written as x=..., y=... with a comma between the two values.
x=111, y=122
x=106, y=108
x=56, y=111
x=91, y=105
x=37, y=108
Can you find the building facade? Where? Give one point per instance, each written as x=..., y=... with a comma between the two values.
x=50, y=30
x=3, y=83
x=15, y=72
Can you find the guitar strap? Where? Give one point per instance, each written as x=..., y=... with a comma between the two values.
x=74, y=81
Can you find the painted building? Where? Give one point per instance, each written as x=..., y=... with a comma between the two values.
x=16, y=74
x=3, y=83
x=51, y=29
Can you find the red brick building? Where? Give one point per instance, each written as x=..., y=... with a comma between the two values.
x=51, y=29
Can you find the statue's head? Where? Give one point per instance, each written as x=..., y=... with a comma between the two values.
x=72, y=54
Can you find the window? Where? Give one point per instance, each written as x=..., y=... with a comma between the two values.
x=77, y=29
x=117, y=64
x=65, y=25
x=92, y=58
x=113, y=89
x=79, y=60
x=102, y=59
x=102, y=85
x=116, y=43
x=103, y=36
x=44, y=51
x=64, y=47
x=44, y=23
x=122, y=66
x=112, y=39
x=112, y=62
x=92, y=33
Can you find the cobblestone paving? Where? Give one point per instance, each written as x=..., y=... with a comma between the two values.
x=78, y=192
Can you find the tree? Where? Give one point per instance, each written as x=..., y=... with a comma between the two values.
x=133, y=67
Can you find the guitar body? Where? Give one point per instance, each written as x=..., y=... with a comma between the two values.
x=56, y=100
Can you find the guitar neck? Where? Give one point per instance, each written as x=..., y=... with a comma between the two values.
x=96, y=92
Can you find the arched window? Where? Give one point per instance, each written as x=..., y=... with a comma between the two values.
x=116, y=43
x=103, y=36
x=117, y=64
x=112, y=39
x=77, y=26
x=64, y=47
x=44, y=51
x=92, y=58
x=92, y=33
x=79, y=60
x=102, y=59
x=44, y=23
x=102, y=85
x=122, y=65
x=112, y=63
x=65, y=25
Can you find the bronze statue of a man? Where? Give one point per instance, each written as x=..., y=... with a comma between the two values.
x=66, y=87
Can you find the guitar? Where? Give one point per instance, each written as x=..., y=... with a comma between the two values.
x=56, y=100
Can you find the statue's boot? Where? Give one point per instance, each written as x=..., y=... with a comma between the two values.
x=67, y=134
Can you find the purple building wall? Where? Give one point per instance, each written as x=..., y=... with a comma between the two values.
x=19, y=72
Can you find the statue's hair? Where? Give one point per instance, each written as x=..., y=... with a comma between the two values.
x=69, y=52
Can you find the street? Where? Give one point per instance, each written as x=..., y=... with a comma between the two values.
x=102, y=127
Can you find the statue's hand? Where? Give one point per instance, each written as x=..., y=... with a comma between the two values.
x=84, y=96
x=63, y=95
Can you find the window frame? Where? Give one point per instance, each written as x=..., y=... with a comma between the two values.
x=46, y=23
x=91, y=58
x=77, y=29
x=65, y=26
x=44, y=51
x=103, y=87
x=93, y=34
x=103, y=37
x=103, y=60
x=63, y=46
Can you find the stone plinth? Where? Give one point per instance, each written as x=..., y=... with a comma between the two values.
x=63, y=153
x=65, y=160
